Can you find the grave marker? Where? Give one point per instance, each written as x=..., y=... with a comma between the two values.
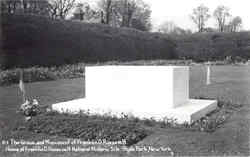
x=208, y=74
x=144, y=91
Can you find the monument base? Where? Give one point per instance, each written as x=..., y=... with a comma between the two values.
x=189, y=112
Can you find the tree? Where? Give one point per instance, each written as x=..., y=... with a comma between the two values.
x=221, y=14
x=40, y=7
x=132, y=13
x=167, y=27
x=122, y=12
x=141, y=18
x=61, y=8
x=200, y=16
x=10, y=6
x=235, y=24
x=141, y=25
x=210, y=29
x=107, y=11
x=126, y=13
x=171, y=28
x=128, y=9
x=25, y=6
x=84, y=12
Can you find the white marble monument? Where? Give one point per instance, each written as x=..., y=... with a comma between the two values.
x=144, y=91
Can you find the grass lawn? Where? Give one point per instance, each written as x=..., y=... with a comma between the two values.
x=229, y=83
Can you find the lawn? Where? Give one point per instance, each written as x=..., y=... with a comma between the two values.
x=229, y=83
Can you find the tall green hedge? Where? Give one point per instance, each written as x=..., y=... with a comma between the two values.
x=214, y=46
x=35, y=40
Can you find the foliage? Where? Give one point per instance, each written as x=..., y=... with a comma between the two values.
x=221, y=14
x=39, y=7
x=140, y=25
x=200, y=16
x=167, y=27
x=142, y=17
x=34, y=74
x=29, y=108
x=235, y=24
x=172, y=29
x=32, y=41
x=49, y=8
x=107, y=11
x=126, y=13
x=213, y=46
x=216, y=118
x=111, y=128
x=61, y=8
x=84, y=12
x=88, y=127
x=71, y=71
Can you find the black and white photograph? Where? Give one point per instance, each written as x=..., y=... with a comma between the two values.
x=124, y=78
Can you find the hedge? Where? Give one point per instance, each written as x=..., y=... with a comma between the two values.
x=30, y=40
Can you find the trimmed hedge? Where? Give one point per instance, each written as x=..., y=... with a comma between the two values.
x=202, y=47
x=30, y=40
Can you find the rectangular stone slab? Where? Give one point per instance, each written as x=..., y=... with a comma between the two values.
x=137, y=87
x=189, y=112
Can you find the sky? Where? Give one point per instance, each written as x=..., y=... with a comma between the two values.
x=179, y=11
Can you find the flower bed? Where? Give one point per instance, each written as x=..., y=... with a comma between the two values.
x=111, y=128
x=88, y=127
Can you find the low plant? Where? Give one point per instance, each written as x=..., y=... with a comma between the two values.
x=214, y=119
x=34, y=74
x=117, y=128
x=88, y=127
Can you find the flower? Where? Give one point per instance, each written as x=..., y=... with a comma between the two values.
x=172, y=153
x=30, y=109
x=48, y=110
x=25, y=105
x=27, y=118
x=35, y=102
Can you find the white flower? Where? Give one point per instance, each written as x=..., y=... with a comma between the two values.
x=35, y=102
x=26, y=102
x=27, y=118
x=172, y=153
x=28, y=108
x=25, y=105
x=48, y=110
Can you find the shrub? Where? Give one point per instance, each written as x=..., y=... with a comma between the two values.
x=30, y=75
x=34, y=74
x=39, y=41
x=216, y=118
x=213, y=46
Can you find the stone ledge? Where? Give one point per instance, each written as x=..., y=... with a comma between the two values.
x=189, y=112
